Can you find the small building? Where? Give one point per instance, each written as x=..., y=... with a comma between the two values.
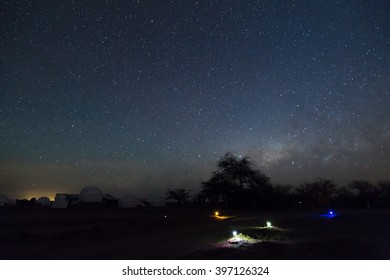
x=110, y=201
x=88, y=197
x=60, y=201
x=73, y=200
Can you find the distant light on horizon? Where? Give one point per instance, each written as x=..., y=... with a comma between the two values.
x=30, y=195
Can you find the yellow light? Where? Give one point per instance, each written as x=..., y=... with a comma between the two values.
x=216, y=213
x=37, y=195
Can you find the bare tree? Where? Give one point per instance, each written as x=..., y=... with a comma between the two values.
x=367, y=192
x=179, y=195
x=235, y=179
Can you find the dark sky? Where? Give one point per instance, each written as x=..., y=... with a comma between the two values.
x=140, y=96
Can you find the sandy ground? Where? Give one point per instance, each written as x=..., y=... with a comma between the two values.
x=191, y=234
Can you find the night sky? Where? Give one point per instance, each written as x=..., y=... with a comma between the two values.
x=140, y=96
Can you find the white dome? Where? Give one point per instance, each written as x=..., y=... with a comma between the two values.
x=44, y=201
x=91, y=194
x=3, y=200
x=129, y=201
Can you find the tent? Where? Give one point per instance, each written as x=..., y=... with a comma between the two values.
x=129, y=201
x=157, y=201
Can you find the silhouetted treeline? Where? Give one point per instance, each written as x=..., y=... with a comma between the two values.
x=237, y=184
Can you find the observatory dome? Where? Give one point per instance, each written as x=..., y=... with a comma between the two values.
x=44, y=201
x=91, y=194
x=3, y=200
x=11, y=202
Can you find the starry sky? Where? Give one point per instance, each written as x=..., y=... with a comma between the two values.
x=140, y=96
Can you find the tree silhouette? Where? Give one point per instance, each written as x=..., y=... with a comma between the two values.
x=344, y=197
x=236, y=182
x=384, y=195
x=179, y=195
x=368, y=193
x=282, y=196
x=317, y=193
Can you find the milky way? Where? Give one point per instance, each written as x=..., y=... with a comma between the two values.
x=141, y=96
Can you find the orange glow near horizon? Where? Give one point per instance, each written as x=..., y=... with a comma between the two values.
x=29, y=195
x=222, y=217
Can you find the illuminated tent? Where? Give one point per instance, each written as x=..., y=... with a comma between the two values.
x=91, y=195
x=60, y=201
x=44, y=201
x=129, y=201
x=3, y=200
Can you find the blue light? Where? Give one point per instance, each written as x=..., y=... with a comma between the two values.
x=329, y=214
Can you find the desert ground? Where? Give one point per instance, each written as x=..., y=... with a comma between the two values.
x=193, y=233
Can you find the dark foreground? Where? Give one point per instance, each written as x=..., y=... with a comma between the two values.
x=192, y=234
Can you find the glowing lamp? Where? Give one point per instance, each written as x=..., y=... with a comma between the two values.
x=269, y=224
x=216, y=213
x=234, y=233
